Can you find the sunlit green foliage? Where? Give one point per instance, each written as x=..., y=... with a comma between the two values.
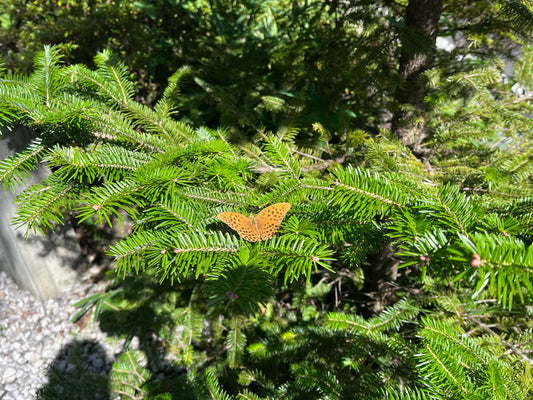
x=284, y=101
x=276, y=318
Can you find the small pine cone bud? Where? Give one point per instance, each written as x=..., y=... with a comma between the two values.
x=476, y=260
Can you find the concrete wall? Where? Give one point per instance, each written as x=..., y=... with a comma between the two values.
x=42, y=265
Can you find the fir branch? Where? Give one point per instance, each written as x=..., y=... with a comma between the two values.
x=159, y=181
x=519, y=13
x=297, y=256
x=310, y=379
x=172, y=91
x=110, y=79
x=106, y=161
x=451, y=208
x=109, y=199
x=213, y=386
x=435, y=331
x=171, y=252
x=211, y=196
x=441, y=371
x=365, y=194
x=129, y=376
x=115, y=125
x=402, y=392
x=240, y=282
x=389, y=319
x=46, y=78
x=283, y=192
x=504, y=267
x=174, y=132
x=129, y=251
x=15, y=169
x=42, y=206
x=280, y=155
x=235, y=345
x=115, y=74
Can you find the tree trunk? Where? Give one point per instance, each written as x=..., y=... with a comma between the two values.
x=418, y=47
x=409, y=125
x=378, y=289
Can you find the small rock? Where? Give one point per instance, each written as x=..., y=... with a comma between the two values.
x=12, y=388
x=38, y=365
x=48, y=354
x=70, y=368
x=32, y=357
x=98, y=363
x=44, y=322
x=16, y=356
x=61, y=365
x=32, y=318
x=9, y=375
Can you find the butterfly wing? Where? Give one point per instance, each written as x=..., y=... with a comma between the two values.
x=269, y=219
x=241, y=224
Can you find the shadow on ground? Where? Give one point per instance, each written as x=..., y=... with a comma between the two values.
x=79, y=372
x=143, y=309
x=136, y=310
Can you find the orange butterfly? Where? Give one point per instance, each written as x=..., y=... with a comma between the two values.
x=261, y=227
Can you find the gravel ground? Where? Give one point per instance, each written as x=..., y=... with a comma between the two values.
x=36, y=335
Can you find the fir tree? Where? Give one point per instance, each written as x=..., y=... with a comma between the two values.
x=290, y=325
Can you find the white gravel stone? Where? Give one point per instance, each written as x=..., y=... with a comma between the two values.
x=31, y=356
x=48, y=354
x=16, y=355
x=9, y=375
x=12, y=388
